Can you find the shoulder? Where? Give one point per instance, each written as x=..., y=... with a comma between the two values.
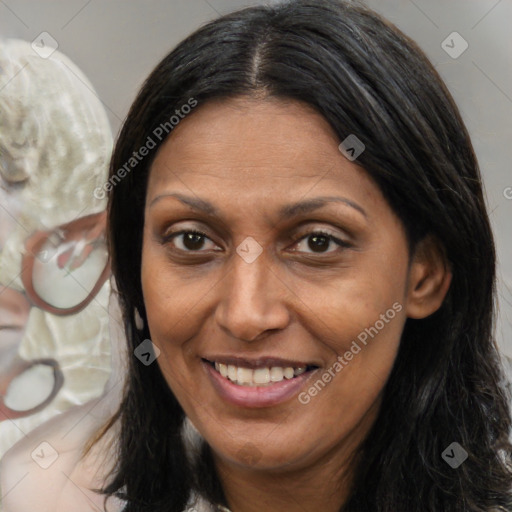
x=198, y=504
x=47, y=472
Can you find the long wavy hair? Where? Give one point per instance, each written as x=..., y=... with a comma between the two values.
x=367, y=78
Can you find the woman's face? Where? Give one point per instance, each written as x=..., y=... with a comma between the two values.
x=262, y=291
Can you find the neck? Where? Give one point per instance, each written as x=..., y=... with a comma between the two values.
x=296, y=491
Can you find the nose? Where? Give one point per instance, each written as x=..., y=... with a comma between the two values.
x=253, y=300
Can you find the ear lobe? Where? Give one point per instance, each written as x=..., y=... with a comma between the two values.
x=429, y=279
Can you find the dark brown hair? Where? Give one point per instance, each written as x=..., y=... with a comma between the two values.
x=366, y=78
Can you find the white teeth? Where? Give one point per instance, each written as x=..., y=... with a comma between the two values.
x=276, y=374
x=223, y=369
x=262, y=376
x=232, y=372
x=288, y=372
x=259, y=376
x=244, y=375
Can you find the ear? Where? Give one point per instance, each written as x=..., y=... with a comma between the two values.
x=428, y=280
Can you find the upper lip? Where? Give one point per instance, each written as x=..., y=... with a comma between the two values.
x=259, y=362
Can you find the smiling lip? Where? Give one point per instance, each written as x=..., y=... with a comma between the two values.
x=257, y=396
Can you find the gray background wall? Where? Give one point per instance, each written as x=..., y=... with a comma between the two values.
x=117, y=43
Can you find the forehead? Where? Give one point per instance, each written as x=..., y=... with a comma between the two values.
x=259, y=148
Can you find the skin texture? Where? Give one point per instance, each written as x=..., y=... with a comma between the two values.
x=249, y=158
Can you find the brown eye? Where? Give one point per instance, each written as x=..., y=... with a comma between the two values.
x=188, y=241
x=320, y=242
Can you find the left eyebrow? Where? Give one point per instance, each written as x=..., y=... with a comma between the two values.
x=286, y=212
x=310, y=205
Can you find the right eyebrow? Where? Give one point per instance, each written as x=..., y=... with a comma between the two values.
x=195, y=203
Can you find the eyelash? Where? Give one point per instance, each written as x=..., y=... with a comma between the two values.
x=341, y=243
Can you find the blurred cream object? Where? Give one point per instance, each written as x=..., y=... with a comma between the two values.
x=55, y=145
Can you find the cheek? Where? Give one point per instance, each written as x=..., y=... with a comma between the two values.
x=362, y=301
x=359, y=317
x=360, y=328
x=175, y=310
x=171, y=300
x=362, y=334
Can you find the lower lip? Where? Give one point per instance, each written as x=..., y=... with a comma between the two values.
x=256, y=396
